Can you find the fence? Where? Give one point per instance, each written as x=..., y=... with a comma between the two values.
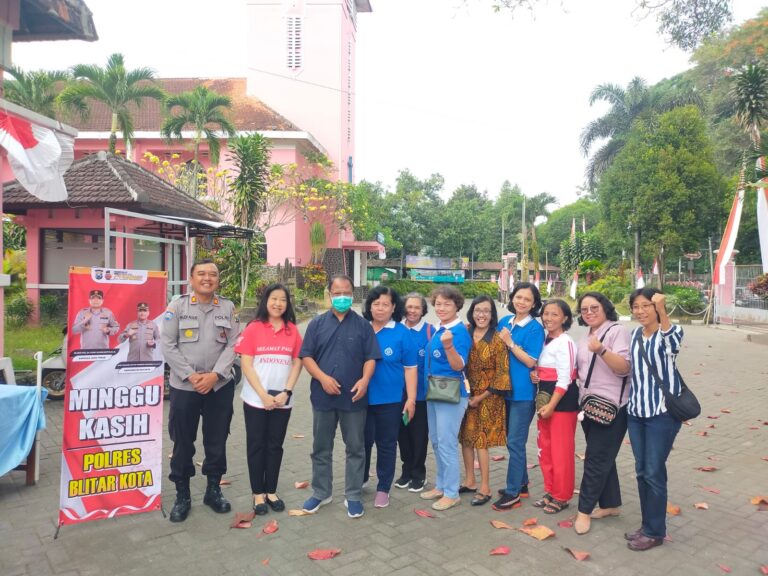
x=736, y=304
x=744, y=298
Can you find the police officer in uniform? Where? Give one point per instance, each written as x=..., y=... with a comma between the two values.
x=142, y=335
x=199, y=334
x=95, y=324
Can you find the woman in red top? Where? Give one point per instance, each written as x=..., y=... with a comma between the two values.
x=269, y=347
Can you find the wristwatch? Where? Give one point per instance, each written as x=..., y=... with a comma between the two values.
x=289, y=392
x=512, y=346
x=603, y=351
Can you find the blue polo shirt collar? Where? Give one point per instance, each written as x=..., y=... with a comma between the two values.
x=522, y=322
x=388, y=325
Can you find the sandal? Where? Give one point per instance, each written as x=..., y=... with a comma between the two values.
x=554, y=506
x=480, y=499
x=467, y=490
x=543, y=502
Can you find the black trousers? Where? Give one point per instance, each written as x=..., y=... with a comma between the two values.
x=183, y=420
x=264, y=436
x=600, y=482
x=413, y=440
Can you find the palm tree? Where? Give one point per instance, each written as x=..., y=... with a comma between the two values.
x=636, y=102
x=114, y=86
x=750, y=97
x=202, y=109
x=535, y=206
x=36, y=90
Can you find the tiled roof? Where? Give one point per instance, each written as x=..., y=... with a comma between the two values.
x=247, y=112
x=102, y=179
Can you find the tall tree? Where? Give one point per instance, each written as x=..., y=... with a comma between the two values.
x=636, y=103
x=115, y=87
x=36, y=90
x=250, y=188
x=664, y=184
x=202, y=110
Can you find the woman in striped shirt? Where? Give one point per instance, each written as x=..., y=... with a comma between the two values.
x=652, y=429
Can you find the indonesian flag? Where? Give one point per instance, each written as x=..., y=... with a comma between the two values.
x=574, y=284
x=655, y=271
x=536, y=279
x=549, y=286
x=640, y=279
x=38, y=156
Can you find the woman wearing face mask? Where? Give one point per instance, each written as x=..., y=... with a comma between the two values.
x=484, y=424
x=395, y=377
x=652, y=430
x=524, y=338
x=447, y=354
x=414, y=436
x=603, y=363
x=558, y=405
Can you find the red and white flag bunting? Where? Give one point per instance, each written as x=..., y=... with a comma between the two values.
x=729, y=238
x=574, y=284
x=655, y=271
x=640, y=279
x=762, y=216
x=38, y=156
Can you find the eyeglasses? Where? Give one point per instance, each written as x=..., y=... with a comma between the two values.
x=477, y=312
x=594, y=309
x=638, y=307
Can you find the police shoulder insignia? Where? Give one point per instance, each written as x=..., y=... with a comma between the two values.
x=168, y=315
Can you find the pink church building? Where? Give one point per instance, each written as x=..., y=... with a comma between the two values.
x=298, y=91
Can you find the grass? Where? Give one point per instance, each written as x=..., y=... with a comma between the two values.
x=22, y=342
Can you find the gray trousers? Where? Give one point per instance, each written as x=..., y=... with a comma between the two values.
x=324, y=425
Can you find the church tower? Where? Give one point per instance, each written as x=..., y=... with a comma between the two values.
x=301, y=62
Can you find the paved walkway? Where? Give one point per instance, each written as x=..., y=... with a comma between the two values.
x=726, y=372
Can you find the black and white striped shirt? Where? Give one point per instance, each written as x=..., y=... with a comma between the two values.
x=645, y=397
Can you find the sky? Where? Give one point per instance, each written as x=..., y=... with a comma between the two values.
x=443, y=86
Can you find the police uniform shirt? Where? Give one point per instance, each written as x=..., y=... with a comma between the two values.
x=199, y=338
x=340, y=350
x=138, y=349
x=90, y=329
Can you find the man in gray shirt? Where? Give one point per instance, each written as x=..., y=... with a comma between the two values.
x=199, y=334
x=142, y=335
x=95, y=324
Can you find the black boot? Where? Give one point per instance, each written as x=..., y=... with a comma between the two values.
x=214, y=498
x=183, y=503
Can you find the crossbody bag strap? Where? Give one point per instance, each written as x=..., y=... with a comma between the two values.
x=655, y=377
x=592, y=364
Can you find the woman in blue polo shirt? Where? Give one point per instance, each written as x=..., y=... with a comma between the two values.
x=524, y=338
x=395, y=373
x=447, y=354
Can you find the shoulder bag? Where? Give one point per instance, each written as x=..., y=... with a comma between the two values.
x=683, y=407
x=442, y=388
x=597, y=408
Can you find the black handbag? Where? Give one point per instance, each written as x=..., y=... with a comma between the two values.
x=597, y=408
x=683, y=407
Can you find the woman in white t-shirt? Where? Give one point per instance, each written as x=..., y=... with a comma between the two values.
x=269, y=347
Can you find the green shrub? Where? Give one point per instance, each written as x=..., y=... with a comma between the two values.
x=18, y=310
x=474, y=289
x=614, y=288
x=51, y=307
x=689, y=299
x=404, y=286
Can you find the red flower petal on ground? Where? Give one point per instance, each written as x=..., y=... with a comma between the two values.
x=500, y=551
x=270, y=527
x=499, y=524
x=242, y=520
x=424, y=513
x=498, y=458
x=580, y=555
x=324, y=554
x=724, y=568
x=707, y=468
x=530, y=522
x=301, y=485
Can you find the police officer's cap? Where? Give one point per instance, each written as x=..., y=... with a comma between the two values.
x=142, y=306
x=98, y=293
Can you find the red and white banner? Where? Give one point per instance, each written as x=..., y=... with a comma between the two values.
x=640, y=279
x=655, y=271
x=574, y=284
x=729, y=238
x=762, y=215
x=113, y=413
x=38, y=156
